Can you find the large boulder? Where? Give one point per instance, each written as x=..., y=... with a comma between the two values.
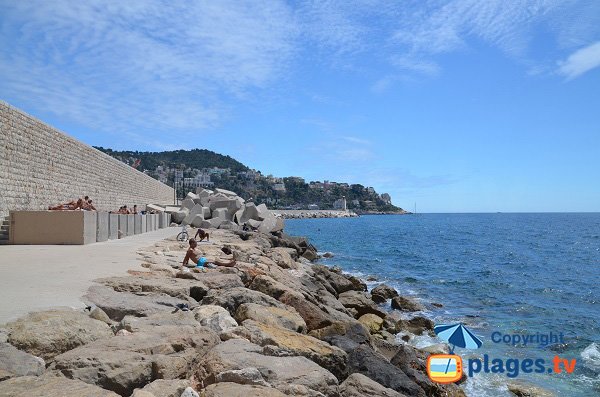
x=188, y=203
x=176, y=287
x=285, y=318
x=271, y=224
x=162, y=319
x=364, y=360
x=215, y=280
x=372, y=322
x=358, y=385
x=339, y=283
x=283, y=257
x=49, y=333
x=232, y=298
x=268, y=286
x=312, y=315
x=15, y=362
x=290, y=375
x=167, y=387
x=384, y=291
x=247, y=212
x=196, y=211
x=222, y=213
x=406, y=304
x=120, y=304
x=292, y=343
x=180, y=215
x=214, y=317
x=231, y=204
x=230, y=389
x=360, y=302
x=123, y=363
x=412, y=362
x=50, y=386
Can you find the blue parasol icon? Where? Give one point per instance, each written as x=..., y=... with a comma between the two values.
x=458, y=335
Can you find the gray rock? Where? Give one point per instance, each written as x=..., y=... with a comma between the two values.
x=216, y=280
x=167, y=387
x=285, y=318
x=120, y=304
x=49, y=333
x=285, y=373
x=232, y=298
x=175, y=287
x=337, y=281
x=189, y=392
x=188, y=203
x=228, y=389
x=123, y=363
x=50, y=386
x=312, y=315
x=361, y=302
x=405, y=304
x=384, y=291
x=19, y=363
x=147, y=324
x=246, y=376
x=179, y=216
x=358, y=385
x=375, y=366
x=214, y=317
x=98, y=314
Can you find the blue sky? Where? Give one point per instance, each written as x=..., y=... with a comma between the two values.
x=459, y=106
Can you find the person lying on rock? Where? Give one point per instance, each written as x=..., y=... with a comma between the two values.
x=88, y=206
x=202, y=234
x=197, y=256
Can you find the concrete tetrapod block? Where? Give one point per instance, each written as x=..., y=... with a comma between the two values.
x=202, y=192
x=171, y=208
x=113, y=226
x=137, y=223
x=216, y=222
x=130, y=225
x=101, y=226
x=188, y=203
x=154, y=207
x=224, y=202
x=144, y=226
x=123, y=225
x=196, y=210
x=262, y=211
x=180, y=215
x=253, y=223
x=192, y=196
x=222, y=213
x=197, y=221
x=228, y=193
x=206, y=212
x=249, y=211
x=205, y=225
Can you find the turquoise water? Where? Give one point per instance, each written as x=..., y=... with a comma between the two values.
x=507, y=273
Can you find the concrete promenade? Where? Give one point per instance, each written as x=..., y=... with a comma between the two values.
x=34, y=277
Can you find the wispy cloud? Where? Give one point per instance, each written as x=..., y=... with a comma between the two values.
x=135, y=66
x=581, y=61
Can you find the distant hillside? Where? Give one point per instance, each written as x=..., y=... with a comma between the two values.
x=195, y=158
x=201, y=167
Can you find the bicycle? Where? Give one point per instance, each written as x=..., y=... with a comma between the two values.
x=183, y=235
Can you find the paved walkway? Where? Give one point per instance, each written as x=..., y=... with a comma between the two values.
x=34, y=277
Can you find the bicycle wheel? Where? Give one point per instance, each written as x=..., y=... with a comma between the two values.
x=183, y=236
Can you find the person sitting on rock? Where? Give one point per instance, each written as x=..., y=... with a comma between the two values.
x=134, y=210
x=197, y=257
x=202, y=234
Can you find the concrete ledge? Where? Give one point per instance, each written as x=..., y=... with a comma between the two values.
x=53, y=227
x=130, y=225
x=137, y=224
x=102, y=226
x=123, y=225
x=144, y=226
x=113, y=226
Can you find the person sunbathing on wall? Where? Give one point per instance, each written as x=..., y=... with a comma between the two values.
x=88, y=206
x=197, y=257
x=71, y=205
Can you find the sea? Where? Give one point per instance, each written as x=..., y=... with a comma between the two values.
x=498, y=274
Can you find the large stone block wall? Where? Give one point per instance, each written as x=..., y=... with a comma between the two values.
x=41, y=166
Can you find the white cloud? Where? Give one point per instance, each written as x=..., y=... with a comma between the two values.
x=140, y=68
x=581, y=61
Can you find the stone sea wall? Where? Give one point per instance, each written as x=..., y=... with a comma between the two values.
x=42, y=166
x=305, y=214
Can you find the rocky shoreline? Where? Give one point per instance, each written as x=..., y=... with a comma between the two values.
x=273, y=325
x=308, y=214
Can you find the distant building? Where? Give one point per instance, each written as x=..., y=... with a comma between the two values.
x=200, y=180
x=340, y=204
x=279, y=187
x=313, y=207
x=356, y=203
